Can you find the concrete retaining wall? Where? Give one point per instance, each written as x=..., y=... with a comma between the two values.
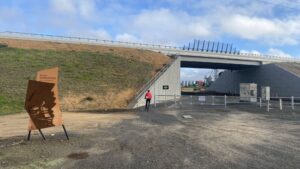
x=171, y=77
x=282, y=82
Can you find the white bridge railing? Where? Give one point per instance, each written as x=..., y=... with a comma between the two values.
x=173, y=50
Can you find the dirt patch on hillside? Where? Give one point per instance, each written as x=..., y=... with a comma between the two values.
x=92, y=101
x=154, y=58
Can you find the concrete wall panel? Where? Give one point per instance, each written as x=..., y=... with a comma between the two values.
x=282, y=82
x=171, y=77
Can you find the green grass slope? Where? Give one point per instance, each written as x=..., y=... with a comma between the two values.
x=85, y=75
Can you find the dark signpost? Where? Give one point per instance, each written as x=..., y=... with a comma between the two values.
x=165, y=87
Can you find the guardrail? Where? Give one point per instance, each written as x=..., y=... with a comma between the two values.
x=81, y=39
x=155, y=47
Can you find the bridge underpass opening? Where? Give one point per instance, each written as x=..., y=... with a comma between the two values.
x=167, y=85
x=196, y=77
x=195, y=81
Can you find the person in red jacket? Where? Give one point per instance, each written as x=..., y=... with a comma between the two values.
x=148, y=97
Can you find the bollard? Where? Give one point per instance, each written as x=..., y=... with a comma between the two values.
x=154, y=101
x=280, y=104
x=225, y=101
x=174, y=98
x=268, y=105
x=293, y=104
x=165, y=100
x=260, y=102
x=165, y=96
x=191, y=99
x=213, y=100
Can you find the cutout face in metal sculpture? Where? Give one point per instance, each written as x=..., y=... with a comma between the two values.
x=39, y=104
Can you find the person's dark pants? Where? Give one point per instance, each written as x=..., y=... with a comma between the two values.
x=147, y=105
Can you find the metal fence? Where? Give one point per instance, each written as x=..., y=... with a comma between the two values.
x=279, y=103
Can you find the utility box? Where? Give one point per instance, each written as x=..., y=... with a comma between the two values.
x=248, y=92
x=265, y=92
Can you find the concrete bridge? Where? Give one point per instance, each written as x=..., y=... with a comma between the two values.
x=170, y=74
x=224, y=58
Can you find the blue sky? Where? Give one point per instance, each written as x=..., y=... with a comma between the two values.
x=258, y=26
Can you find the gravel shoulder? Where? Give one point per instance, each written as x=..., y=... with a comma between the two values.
x=237, y=137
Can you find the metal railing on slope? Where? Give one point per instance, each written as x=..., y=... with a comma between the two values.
x=146, y=86
x=162, y=48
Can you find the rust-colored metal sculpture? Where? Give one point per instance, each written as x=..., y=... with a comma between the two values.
x=42, y=103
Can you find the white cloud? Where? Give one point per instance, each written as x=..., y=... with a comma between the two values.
x=271, y=52
x=87, y=9
x=83, y=8
x=125, y=37
x=97, y=34
x=255, y=21
x=179, y=26
x=177, y=23
x=64, y=6
x=191, y=74
x=271, y=31
x=249, y=20
x=164, y=24
x=251, y=28
x=250, y=52
x=101, y=34
x=277, y=52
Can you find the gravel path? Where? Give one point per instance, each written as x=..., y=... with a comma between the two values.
x=238, y=137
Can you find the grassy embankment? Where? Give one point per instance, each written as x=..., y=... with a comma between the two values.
x=83, y=74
